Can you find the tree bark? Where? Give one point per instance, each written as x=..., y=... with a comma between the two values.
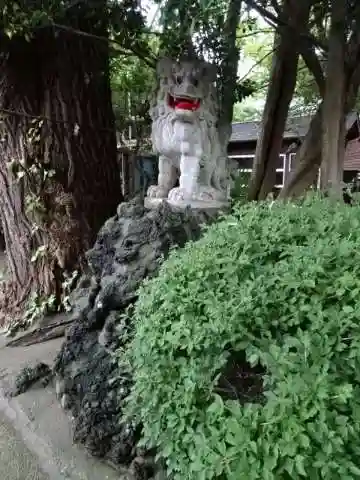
x=81, y=145
x=229, y=68
x=280, y=92
x=61, y=137
x=308, y=158
x=19, y=86
x=333, y=121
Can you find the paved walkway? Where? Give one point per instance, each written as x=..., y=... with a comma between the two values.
x=36, y=436
x=16, y=461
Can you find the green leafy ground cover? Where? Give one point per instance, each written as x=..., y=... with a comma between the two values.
x=247, y=347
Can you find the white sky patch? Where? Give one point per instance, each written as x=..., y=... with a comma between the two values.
x=152, y=13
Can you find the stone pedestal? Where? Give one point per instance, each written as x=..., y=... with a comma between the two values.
x=196, y=206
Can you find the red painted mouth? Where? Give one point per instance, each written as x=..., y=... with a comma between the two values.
x=183, y=103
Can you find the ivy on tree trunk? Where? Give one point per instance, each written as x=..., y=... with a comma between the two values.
x=59, y=175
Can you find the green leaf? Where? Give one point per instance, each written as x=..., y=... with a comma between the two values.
x=354, y=470
x=299, y=465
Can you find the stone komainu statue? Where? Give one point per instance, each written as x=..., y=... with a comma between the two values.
x=184, y=116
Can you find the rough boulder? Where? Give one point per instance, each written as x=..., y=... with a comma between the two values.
x=90, y=382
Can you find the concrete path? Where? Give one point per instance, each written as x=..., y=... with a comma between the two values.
x=16, y=460
x=35, y=432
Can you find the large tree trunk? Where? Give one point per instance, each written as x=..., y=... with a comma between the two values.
x=280, y=92
x=65, y=148
x=308, y=158
x=229, y=68
x=333, y=121
x=81, y=145
x=20, y=89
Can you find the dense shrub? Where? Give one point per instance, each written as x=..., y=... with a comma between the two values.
x=280, y=286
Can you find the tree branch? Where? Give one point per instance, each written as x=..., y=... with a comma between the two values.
x=353, y=50
x=281, y=22
x=22, y=114
x=133, y=50
x=276, y=6
x=313, y=64
x=229, y=66
x=251, y=34
x=259, y=62
x=306, y=46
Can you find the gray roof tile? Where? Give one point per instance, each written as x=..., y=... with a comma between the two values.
x=296, y=127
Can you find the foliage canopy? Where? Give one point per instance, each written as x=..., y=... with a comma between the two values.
x=124, y=19
x=278, y=284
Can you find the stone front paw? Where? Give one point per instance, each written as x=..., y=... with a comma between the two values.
x=178, y=194
x=205, y=196
x=157, y=191
x=209, y=194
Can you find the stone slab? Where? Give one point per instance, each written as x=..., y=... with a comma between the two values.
x=206, y=207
